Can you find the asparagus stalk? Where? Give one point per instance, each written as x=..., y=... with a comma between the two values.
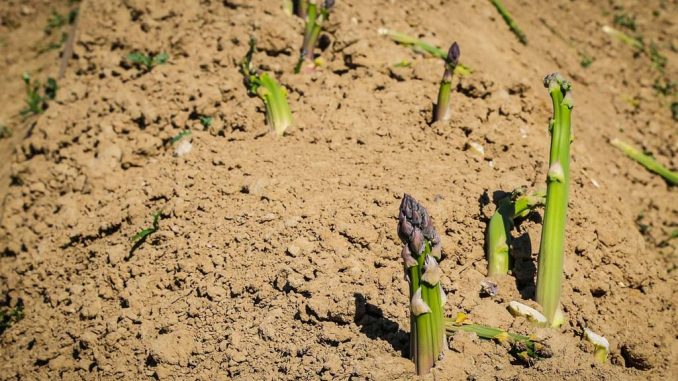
x=424, y=47
x=525, y=348
x=278, y=112
x=518, y=205
x=316, y=16
x=510, y=22
x=421, y=253
x=646, y=161
x=550, y=270
x=600, y=344
x=623, y=37
x=442, y=110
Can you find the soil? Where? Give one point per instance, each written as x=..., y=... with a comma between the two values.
x=277, y=257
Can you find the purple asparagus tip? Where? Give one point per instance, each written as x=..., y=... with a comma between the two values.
x=415, y=225
x=453, y=54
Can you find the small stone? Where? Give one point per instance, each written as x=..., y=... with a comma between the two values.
x=293, y=250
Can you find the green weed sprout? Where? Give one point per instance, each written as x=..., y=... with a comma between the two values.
x=623, y=37
x=145, y=232
x=180, y=136
x=424, y=47
x=517, y=205
x=421, y=253
x=316, y=16
x=509, y=21
x=206, y=121
x=442, y=109
x=550, y=269
x=5, y=132
x=36, y=103
x=646, y=161
x=524, y=348
x=148, y=61
x=278, y=112
x=10, y=316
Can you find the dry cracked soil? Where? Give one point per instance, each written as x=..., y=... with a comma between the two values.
x=277, y=257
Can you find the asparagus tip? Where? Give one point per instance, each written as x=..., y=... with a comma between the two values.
x=453, y=54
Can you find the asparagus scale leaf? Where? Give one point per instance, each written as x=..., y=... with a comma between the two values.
x=421, y=253
x=509, y=21
x=273, y=95
x=550, y=268
x=421, y=46
x=646, y=161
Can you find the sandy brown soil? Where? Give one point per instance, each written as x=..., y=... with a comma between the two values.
x=278, y=258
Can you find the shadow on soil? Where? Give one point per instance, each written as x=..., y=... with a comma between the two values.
x=374, y=325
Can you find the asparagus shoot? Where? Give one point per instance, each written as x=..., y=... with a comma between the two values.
x=442, y=110
x=525, y=348
x=316, y=16
x=499, y=228
x=550, y=269
x=278, y=112
x=509, y=21
x=623, y=37
x=421, y=253
x=600, y=343
x=421, y=46
x=646, y=161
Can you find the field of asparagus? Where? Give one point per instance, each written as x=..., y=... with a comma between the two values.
x=318, y=189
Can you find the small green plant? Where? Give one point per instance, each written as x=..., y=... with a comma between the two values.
x=57, y=20
x=659, y=61
x=206, y=121
x=665, y=87
x=510, y=22
x=152, y=229
x=5, y=132
x=674, y=110
x=316, y=16
x=525, y=349
x=550, y=268
x=586, y=61
x=180, y=136
x=626, y=21
x=10, y=316
x=424, y=47
x=421, y=253
x=442, y=109
x=36, y=103
x=148, y=61
x=646, y=161
x=498, y=241
x=264, y=86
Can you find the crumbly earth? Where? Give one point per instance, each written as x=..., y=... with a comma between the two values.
x=278, y=258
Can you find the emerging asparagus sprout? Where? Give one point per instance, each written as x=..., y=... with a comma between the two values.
x=525, y=348
x=421, y=46
x=421, y=253
x=316, y=16
x=442, y=110
x=646, y=161
x=278, y=112
x=518, y=205
x=623, y=37
x=550, y=269
x=601, y=345
x=510, y=22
